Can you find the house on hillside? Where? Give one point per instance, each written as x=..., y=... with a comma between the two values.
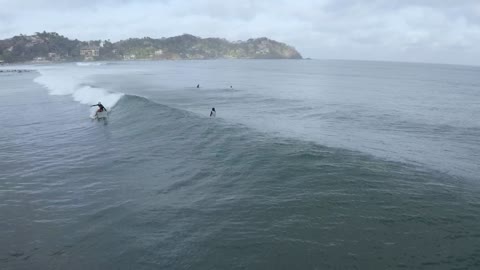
x=90, y=53
x=53, y=56
x=130, y=57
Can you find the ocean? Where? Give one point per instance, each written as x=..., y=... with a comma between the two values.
x=308, y=164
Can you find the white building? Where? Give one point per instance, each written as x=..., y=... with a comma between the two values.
x=89, y=53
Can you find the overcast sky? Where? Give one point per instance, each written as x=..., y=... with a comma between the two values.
x=446, y=31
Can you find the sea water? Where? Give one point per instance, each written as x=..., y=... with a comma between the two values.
x=308, y=165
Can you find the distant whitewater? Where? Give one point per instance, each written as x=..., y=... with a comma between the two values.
x=89, y=64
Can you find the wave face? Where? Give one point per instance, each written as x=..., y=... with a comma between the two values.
x=418, y=122
x=399, y=112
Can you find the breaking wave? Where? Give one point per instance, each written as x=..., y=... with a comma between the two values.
x=62, y=83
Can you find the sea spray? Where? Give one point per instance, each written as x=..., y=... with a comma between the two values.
x=61, y=83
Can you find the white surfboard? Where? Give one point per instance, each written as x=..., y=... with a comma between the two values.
x=100, y=115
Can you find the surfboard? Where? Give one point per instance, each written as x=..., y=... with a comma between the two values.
x=100, y=115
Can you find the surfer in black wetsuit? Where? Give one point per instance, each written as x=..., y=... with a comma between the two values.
x=101, y=108
x=213, y=113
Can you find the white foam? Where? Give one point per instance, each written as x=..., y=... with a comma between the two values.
x=90, y=95
x=89, y=64
x=57, y=85
x=70, y=82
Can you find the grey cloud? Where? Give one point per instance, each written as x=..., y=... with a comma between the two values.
x=429, y=30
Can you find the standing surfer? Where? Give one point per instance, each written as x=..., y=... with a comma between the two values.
x=213, y=113
x=101, y=108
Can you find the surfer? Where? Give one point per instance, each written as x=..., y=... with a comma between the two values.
x=101, y=108
x=198, y=85
x=213, y=113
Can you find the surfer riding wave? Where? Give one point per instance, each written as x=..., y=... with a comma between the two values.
x=101, y=108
